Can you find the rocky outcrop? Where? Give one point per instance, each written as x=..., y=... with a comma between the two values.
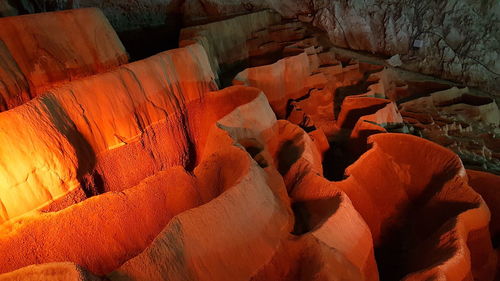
x=44, y=50
x=148, y=172
x=461, y=121
x=226, y=41
x=454, y=40
x=84, y=119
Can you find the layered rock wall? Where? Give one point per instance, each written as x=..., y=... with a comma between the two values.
x=181, y=182
x=456, y=40
x=41, y=51
x=131, y=99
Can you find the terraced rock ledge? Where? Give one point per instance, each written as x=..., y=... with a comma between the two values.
x=255, y=151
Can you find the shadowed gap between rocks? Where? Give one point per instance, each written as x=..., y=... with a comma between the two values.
x=91, y=182
x=310, y=215
x=254, y=148
x=416, y=222
x=148, y=41
x=342, y=92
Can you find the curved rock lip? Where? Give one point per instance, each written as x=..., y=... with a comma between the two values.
x=306, y=169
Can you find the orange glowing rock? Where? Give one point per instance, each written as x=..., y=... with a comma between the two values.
x=14, y=89
x=295, y=155
x=84, y=120
x=113, y=108
x=281, y=81
x=63, y=271
x=103, y=240
x=33, y=170
x=101, y=232
x=145, y=171
x=254, y=244
x=240, y=230
x=322, y=101
x=449, y=219
x=52, y=48
x=321, y=207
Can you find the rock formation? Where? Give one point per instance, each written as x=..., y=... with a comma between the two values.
x=451, y=39
x=255, y=151
x=465, y=123
x=40, y=51
x=455, y=40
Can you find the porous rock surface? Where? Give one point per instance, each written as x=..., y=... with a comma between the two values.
x=149, y=171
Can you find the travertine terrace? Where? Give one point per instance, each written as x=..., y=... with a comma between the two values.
x=257, y=150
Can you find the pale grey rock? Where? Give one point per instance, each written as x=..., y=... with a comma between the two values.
x=453, y=39
x=395, y=61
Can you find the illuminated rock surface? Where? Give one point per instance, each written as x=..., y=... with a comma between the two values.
x=42, y=50
x=304, y=169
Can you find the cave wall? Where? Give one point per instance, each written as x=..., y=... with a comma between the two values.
x=460, y=38
x=123, y=15
x=145, y=27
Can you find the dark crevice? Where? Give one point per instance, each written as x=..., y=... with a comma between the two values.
x=229, y=72
x=418, y=223
x=93, y=184
x=288, y=154
x=84, y=152
x=336, y=159
x=343, y=92
x=254, y=148
x=467, y=99
x=495, y=239
x=148, y=41
x=310, y=215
